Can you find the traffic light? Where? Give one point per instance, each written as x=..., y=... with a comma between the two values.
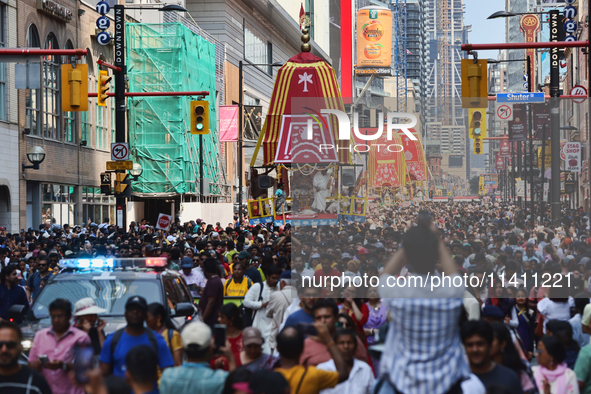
x=106, y=183
x=103, y=86
x=199, y=117
x=477, y=122
x=122, y=185
x=478, y=146
x=474, y=83
x=74, y=87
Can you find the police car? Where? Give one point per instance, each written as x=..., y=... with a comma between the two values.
x=110, y=282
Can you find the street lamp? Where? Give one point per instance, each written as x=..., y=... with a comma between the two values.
x=36, y=156
x=136, y=171
x=240, y=121
x=507, y=14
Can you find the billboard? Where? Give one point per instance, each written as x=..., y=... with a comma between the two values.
x=374, y=37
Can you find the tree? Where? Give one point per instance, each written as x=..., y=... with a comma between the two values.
x=474, y=186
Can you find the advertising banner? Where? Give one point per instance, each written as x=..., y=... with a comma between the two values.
x=228, y=123
x=504, y=148
x=517, y=128
x=374, y=37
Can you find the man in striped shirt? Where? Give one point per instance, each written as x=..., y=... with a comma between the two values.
x=423, y=350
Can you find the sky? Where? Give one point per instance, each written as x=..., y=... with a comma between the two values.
x=485, y=31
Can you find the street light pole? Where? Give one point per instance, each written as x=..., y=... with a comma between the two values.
x=240, y=115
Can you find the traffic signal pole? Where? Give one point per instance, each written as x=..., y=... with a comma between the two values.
x=120, y=110
x=554, y=44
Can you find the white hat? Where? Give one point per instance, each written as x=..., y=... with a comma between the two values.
x=87, y=306
x=170, y=238
x=196, y=333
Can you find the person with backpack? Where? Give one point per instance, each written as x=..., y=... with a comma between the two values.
x=118, y=344
x=257, y=300
x=237, y=285
x=157, y=320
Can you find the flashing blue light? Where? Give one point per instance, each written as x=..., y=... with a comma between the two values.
x=87, y=263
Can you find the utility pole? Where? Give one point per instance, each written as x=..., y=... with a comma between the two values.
x=240, y=115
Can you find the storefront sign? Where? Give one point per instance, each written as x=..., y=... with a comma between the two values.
x=55, y=9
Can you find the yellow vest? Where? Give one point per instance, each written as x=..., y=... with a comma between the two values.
x=233, y=289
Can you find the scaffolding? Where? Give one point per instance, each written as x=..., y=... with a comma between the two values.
x=170, y=57
x=400, y=55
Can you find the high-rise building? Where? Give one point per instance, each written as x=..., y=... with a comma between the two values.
x=513, y=33
x=445, y=117
x=417, y=50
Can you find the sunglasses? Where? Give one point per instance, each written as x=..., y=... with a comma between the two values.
x=43, y=265
x=9, y=344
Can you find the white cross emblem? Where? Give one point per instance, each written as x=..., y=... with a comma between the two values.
x=305, y=78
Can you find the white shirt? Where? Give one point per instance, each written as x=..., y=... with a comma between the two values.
x=194, y=278
x=360, y=381
x=473, y=385
x=554, y=310
x=261, y=321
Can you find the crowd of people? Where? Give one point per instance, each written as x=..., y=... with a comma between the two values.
x=522, y=324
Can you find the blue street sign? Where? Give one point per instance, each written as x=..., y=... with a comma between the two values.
x=103, y=23
x=570, y=12
x=103, y=38
x=520, y=97
x=570, y=38
x=103, y=8
x=570, y=27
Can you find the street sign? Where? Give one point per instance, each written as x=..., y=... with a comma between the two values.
x=520, y=188
x=119, y=165
x=505, y=111
x=163, y=222
x=27, y=76
x=572, y=156
x=120, y=151
x=578, y=90
x=537, y=97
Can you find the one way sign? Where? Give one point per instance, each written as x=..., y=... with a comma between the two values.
x=504, y=111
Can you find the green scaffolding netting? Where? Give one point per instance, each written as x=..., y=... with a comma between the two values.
x=163, y=58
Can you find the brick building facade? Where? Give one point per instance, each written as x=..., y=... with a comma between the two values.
x=66, y=188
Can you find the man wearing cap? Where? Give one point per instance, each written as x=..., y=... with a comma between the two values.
x=583, y=365
x=118, y=344
x=195, y=376
x=251, y=272
x=278, y=304
x=195, y=280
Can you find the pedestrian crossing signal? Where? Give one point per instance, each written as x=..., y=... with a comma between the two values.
x=106, y=183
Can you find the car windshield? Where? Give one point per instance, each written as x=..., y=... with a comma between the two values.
x=108, y=294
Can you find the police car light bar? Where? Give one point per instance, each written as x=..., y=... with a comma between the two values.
x=100, y=262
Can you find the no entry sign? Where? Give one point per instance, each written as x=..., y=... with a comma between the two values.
x=505, y=111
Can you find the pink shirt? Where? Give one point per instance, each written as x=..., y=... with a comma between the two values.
x=45, y=342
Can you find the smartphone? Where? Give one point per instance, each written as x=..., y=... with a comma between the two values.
x=43, y=358
x=83, y=361
x=308, y=329
x=219, y=333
